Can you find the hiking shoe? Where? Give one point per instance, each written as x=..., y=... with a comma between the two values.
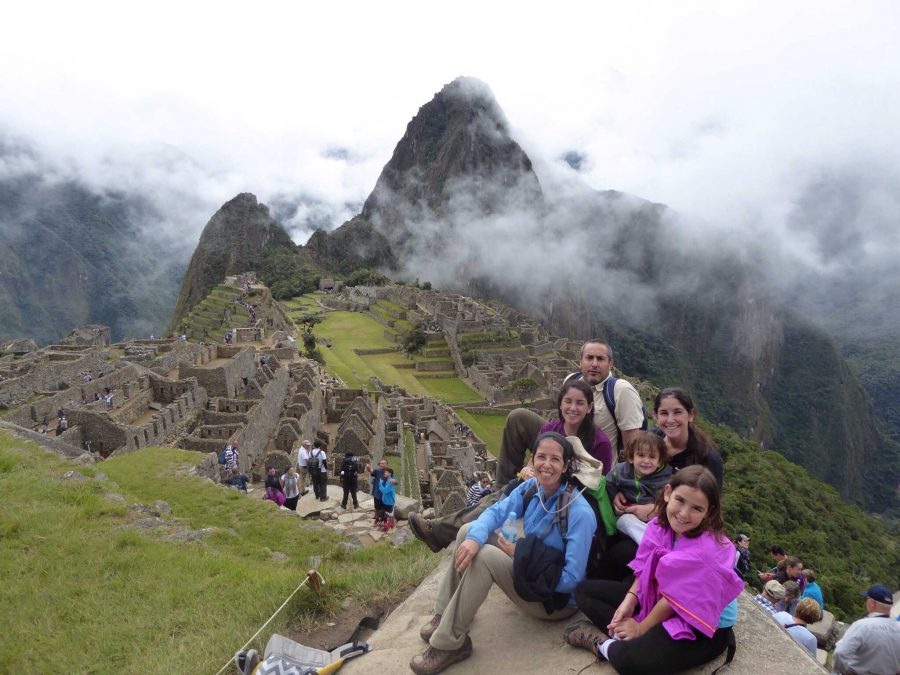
x=422, y=529
x=586, y=635
x=433, y=661
x=428, y=629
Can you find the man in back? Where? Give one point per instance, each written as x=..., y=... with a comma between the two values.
x=619, y=424
x=871, y=645
x=302, y=461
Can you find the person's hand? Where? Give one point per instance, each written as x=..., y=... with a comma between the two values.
x=642, y=511
x=619, y=504
x=527, y=473
x=465, y=554
x=507, y=546
x=624, y=611
x=629, y=629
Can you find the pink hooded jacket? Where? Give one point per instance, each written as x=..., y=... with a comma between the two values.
x=695, y=574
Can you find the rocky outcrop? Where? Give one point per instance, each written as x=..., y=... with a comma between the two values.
x=231, y=243
x=457, y=151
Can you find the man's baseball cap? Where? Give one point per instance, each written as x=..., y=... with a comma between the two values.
x=880, y=593
x=775, y=589
x=743, y=537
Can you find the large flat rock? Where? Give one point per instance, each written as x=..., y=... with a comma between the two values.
x=507, y=641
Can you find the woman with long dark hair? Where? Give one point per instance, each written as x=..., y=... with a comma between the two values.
x=575, y=412
x=678, y=611
x=686, y=444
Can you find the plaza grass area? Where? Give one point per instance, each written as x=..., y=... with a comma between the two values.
x=353, y=330
x=488, y=428
x=94, y=593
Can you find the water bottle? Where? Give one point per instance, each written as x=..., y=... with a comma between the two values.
x=509, y=530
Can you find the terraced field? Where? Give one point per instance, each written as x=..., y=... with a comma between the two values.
x=353, y=330
x=488, y=427
x=206, y=320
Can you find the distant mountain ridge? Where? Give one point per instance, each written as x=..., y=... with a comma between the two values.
x=70, y=255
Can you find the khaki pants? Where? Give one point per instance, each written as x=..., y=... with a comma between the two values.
x=304, y=473
x=460, y=595
x=519, y=432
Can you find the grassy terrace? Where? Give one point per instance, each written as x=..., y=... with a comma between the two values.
x=488, y=428
x=94, y=593
x=350, y=330
x=409, y=479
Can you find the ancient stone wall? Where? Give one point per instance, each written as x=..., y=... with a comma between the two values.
x=30, y=415
x=226, y=379
x=254, y=436
x=182, y=353
x=50, y=374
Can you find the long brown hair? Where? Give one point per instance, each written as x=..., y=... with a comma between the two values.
x=586, y=433
x=701, y=478
x=699, y=444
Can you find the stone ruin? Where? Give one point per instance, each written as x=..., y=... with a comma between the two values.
x=501, y=343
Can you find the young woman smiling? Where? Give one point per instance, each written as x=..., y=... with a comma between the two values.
x=678, y=612
x=482, y=559
x=674, y=412
x=575, y=412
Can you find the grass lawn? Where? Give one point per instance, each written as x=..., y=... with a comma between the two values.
x=354, y=330
x=94, y=593
x=488, y=428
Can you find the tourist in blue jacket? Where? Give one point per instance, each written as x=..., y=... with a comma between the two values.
x=388, y=497
x=486, y=563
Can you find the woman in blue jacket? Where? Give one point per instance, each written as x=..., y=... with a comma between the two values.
x=488, y=560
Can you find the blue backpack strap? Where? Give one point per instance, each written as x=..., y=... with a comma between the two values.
x=609, y=395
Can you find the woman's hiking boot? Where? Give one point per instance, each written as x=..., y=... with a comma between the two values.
x=390, y=524
x=421, y=528
x=433, y=661
x=586, y=635
x=428, y=629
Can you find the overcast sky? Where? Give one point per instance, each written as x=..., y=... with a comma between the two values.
x=724, y=110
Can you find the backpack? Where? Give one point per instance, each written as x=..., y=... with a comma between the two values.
x=222, y=457
x=609, y=397
x=315, y=461
x=743, y=564
x=350, y=467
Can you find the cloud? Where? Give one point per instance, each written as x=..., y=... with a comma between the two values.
x=764, y=124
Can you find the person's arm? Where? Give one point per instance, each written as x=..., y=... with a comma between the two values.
x=629, y=411
x=626, y=608
x=846, y=646
x=642, y=511
x=716, y=466
x=602, y=450
x=495, y=515
x=629, y=629
x=579, y=535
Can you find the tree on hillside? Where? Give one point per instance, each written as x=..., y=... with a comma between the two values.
x=414, y=339
x=365, y=277
x=523, y=388
x=308, y=323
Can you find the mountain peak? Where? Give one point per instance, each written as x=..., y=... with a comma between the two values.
x=457, y=146
x=231, y=243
